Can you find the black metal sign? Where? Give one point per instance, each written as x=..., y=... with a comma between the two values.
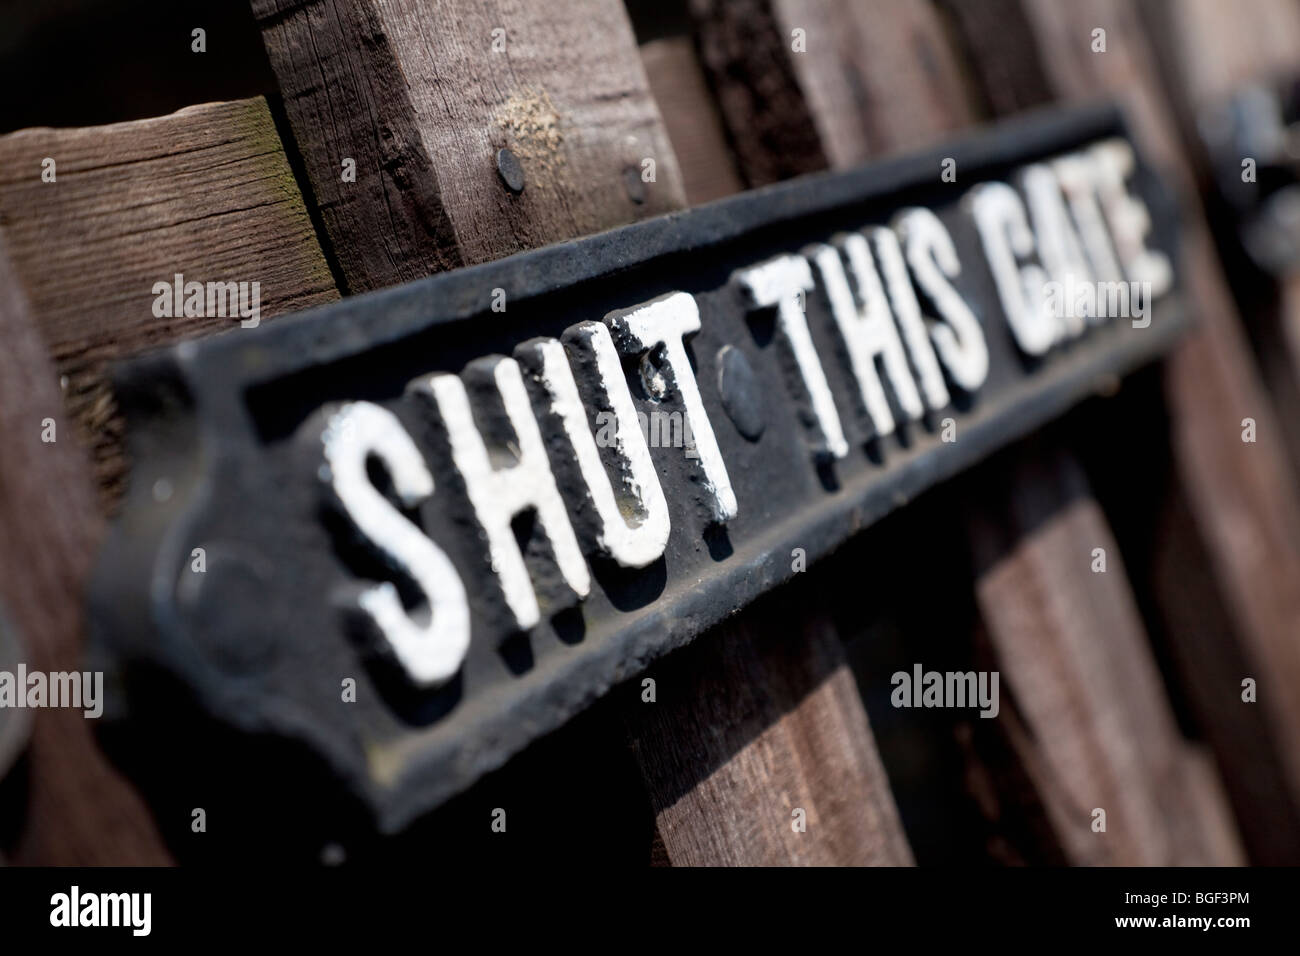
x=412, y=531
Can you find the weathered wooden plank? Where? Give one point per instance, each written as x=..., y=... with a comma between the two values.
x=78, y=809
x=758, y=752
x=1286, y=356
x=1241, y=496
x=920, y=107
x=1209, y=53
x=1215, y=48
x=424, y=95
x=806, y=85
x=692, y=121
x=206, y=193
x=1191, y=629
x=569, y=98
x=1070, y=644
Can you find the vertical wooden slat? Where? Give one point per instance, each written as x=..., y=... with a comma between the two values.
x=692, y=121
x=79, y=810
x=874, y=76
x=1215, y=48
x=568, y=96
x=205, y=192
x=758, y=730
x=1208, y=53
x=907, y=109
x=1071, y=645
x=968, y=787
x=1241, y=496
x=423, y=96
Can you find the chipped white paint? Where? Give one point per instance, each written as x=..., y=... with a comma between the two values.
x=640, y=537
x=499, y=494
x=893, y=301
x=868, y=330
x=432, y=652
x=779, y=282
x=663, y=324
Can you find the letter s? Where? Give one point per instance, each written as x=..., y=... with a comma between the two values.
x=933, y=261
x=431, y=653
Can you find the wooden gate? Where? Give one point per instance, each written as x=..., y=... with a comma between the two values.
x=326, y=149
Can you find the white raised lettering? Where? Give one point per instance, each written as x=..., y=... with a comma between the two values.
x=1113, y=162
x=1059, y=248
x=633, y=522
x=1007, y=240
x=659, y=327
x=432, y=652
x=932, y=259
x=778, y=283
x=498, y=494
x=868, y=331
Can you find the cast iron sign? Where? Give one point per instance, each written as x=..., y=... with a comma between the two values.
x=486, y=497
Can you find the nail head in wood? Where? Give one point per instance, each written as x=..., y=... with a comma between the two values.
x=634, y=184
x=512, y=174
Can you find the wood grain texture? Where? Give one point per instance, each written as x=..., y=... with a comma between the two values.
x=205, y=192
x=965, y=790
x=1242, y=497
x=694, y=126
x=416, y=93
x=899, y=105
x=78, y=809
x=1218, y=47
x=998, y=45
x=875, y=77
x=1071, y=647
x=759, y=720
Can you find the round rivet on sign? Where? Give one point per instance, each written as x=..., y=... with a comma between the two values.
x=213, y=599
x=742, y=396
x=512, y=174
